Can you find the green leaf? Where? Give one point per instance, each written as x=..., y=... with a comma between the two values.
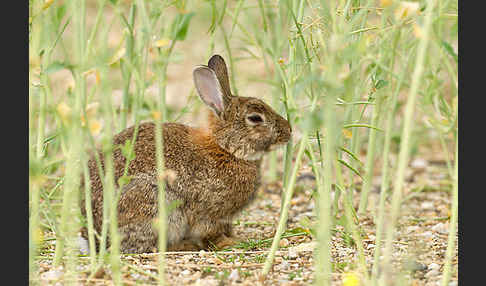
x=361, y=125
x=351, y=154
x=124, y=180
x=60, y=12
x=55, y=66
x=350, y=167
x=127, y=150
x=172, y=205
x=181, y=25
x=297, y=230
x=449, y=50
x=381, y=83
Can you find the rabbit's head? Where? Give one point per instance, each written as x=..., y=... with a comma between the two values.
x=244, y=126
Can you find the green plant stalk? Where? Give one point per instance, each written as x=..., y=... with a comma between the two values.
x=350, y=225
x=288, y=100
x=89, y=215
x=446, y=274
x=230, y=57
x=109, y=185
x=385, y=175
x=42, y=116
x=159, y=139
x=406, y=132
x=33, y=188
x=353, y=227
x=337, y=191
x=94, y=30
x=127, y=75
x=315, y=167
x=285, y=209
x=68, y=226
x=370, y=156
x=351, y=112
x=262, y=11
x=34, y=228
x=109, y=221
x=323, y=235
x=40, y=23
x=162, y=210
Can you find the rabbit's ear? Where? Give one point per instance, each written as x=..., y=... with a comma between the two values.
x=209, y=88
x=217, y=64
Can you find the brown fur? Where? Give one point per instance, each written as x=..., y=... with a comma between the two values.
x=217, y=174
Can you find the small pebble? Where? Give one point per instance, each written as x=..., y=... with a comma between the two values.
x=283, y=242
x=440, y=228
x=234, y=275
x=413, y=265
x=292, y=253
x=186, y=272
x=427, y=205
x=419, y=164
x=83, y=245
x=284, y=264
x=427, y=234
x=412, y=228
x=432, y=273
x=52, y=275
x=433, y=266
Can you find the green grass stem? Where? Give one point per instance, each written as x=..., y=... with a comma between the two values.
x=406, y=133
x=284, y=212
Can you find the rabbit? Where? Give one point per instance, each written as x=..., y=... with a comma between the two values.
x=217, y=169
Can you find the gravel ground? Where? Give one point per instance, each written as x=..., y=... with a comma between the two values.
x=418, y=250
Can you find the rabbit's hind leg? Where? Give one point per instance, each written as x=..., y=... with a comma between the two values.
x=137, y=212
x=138, y=237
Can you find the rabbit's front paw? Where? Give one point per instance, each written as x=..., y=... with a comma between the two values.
x=184, y=245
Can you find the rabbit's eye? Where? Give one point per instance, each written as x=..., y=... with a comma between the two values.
x=254, y=118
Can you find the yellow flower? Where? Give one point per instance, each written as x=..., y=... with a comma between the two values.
x=385, y=3
x=406, y=9
x=417, y=31
x=156, y=115
x=347, y=133
x=47, y=3
x=94, y=127
x=90, y=112
x=64, y=112
x=350, y=279
x=162, y=43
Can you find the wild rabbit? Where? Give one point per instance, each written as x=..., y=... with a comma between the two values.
x=217, y=169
